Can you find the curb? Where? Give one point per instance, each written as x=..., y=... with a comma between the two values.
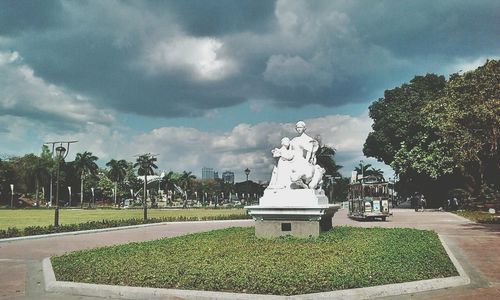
x=128, y=292
x=41, y=236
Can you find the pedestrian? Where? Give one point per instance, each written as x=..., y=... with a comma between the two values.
x=415, y=202
x=423, y=202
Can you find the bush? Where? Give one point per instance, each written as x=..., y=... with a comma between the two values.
x=479, y=216
x=37, y=230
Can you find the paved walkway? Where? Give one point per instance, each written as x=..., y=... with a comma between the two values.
x=475, y=246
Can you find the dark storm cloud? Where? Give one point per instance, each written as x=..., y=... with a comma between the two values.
x=17, y=16
x=182, y=58
x=214, y=18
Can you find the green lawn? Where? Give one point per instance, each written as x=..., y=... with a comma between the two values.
x=235, y=260
x=21, y=218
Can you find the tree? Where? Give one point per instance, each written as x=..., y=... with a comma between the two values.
x=117, y=172
x=145, y=165
x=186, y=181
x=169, y=181
x=398, y=117
x=362, y=169
x=467, y=119
x=325, y=159
x=85, y=164
x=378, y=173
x=436, y=133
x=41, y=172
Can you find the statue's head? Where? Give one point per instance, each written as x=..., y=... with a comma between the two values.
x=300, y=127
x=285, y=142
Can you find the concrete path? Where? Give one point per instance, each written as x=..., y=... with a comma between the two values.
x=475, y=246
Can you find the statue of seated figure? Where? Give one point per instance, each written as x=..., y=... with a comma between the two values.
x=297, y=168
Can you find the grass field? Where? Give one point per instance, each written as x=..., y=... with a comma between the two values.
x=235, y=260
x=21, y=218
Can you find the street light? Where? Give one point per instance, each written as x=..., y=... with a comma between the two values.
x=61, y=154
x=60, y=151
x=11, y=196
x=247, y=172
x=69, y=193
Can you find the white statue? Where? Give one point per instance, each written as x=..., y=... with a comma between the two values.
x=297, y=168
x=282, y=172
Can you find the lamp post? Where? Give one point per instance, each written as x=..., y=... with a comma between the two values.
x=247, y=172
x=60, y=151
x=11, y=196
x=69, y=193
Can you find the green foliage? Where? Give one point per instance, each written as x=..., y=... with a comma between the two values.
x=235, y=260
x=325, y=159
x=438, y=134
x=37, y=230
x=467, y=118
x=398, y=117
x=479, y=216
x=145, y=164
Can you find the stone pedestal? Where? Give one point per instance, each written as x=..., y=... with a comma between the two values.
x=300, y=213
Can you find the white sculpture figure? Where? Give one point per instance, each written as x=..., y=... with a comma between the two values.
x=296, y=166
x=282, y=172
x=305, y=172
x=304, y=143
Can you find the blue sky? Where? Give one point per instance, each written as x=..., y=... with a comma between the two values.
x=218, y=83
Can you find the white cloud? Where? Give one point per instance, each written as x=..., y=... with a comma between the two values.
x=244, y=146
x=465, y=65
x=24, y=93
x=201, y=56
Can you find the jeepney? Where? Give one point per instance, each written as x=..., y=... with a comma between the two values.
x=369, y=199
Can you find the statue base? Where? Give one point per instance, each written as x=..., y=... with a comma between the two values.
x=300, y=213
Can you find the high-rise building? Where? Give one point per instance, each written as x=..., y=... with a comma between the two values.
x=228, y=177
x=207, y=173
x=216, y=175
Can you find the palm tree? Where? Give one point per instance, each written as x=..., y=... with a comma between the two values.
x=41, y=172
x=85, y=164
x=324, y=158
x=378, y=173
x=362, y=169
x=145, y=165
x=117, y=172
x=170, y=180
x=185, y=181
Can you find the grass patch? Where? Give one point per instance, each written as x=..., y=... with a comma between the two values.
x=235, y=260
x=479, y=216
x=22, y=218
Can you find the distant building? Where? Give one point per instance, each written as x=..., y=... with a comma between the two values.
x=216, y=175
x=207, y=173
x=228, y=177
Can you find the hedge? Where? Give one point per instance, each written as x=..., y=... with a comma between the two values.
x=37, y=230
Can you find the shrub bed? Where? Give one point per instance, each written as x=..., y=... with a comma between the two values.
x=37, y=230
x=479, y=216
x=235, y=260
